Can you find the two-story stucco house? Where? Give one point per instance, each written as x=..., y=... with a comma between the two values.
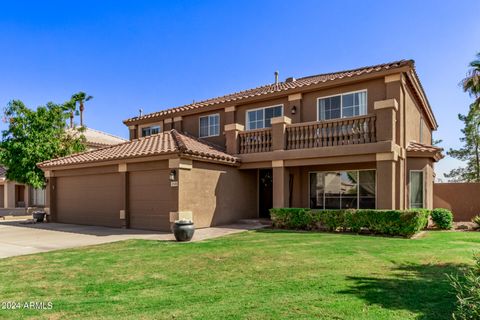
x=352, y=139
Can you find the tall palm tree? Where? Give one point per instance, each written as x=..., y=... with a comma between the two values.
x=471, y=83
x=80, y=98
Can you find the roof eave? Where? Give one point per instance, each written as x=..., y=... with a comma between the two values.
x=435, y=155
x=267, y=96
x=415, y=80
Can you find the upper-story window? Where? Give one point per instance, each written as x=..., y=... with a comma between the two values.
x=261, y=118
x=209, y=126
x=342, y=106
x=148, y=131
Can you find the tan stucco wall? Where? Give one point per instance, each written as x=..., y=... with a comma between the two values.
x=375, y=91
x=217, y=194
x=191, y=124
x=412, y=125
x=425, y=164
x=461, y=198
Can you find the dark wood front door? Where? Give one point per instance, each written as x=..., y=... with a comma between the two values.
x=265, y=192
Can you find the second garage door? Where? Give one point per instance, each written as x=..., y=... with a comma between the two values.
x=151, y=200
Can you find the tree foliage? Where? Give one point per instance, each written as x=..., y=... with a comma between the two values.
x=471, y=83
x=34, y=136
x=470, y=151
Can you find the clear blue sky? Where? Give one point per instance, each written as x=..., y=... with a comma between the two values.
x=159, y=54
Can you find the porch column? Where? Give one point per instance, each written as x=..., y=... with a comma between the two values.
x=124, y=213
x=177, y=124
x=167, y=124
x=280, y=184
x=279, y=126
x=133, y=130
x=386, y=181
x=9, y=194
x=230, y=115
x=393, y=90
x=385, y=123
x=294, y=107
x=51, y=201
x=184, y=184
x=231, y=137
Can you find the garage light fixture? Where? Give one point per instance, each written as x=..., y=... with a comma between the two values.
x=173, y=175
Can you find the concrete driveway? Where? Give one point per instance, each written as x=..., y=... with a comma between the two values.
x=20, y=239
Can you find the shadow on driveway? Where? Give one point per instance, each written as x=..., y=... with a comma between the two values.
x=80, y=229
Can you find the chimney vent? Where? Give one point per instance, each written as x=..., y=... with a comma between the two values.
x=290, y=79
x=140, y=112
x=276, y=77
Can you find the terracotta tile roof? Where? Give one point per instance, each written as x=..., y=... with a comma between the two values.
x=425, y=148
x=281, y=86
x=169, y=142
x=96, y=138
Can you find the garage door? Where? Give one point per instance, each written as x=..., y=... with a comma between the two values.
x=90, y=199
x=151, y=200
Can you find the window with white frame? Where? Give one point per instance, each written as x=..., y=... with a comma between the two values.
x=261, y=118
x=148, y=131
x=209, y=126
x=417, y=189
x=343, y=189
x=342, y=106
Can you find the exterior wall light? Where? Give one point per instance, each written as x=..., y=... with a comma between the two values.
x=294, y=109
x=173, y=175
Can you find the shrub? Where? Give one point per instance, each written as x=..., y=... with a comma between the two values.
x=467, y=288
x=390, y=222
x=291, y=218
x=476, y=220
x=443, y=218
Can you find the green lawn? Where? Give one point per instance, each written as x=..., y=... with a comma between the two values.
x=252, y=275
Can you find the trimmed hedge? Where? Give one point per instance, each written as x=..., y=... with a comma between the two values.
x=443, y=218
x=389, y=222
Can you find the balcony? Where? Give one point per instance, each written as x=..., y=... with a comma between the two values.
x=338, y=132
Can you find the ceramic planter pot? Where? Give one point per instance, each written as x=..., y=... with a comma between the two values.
x=183, y=230
x=38, y=216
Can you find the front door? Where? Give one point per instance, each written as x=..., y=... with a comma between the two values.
x=19, y=196
x=265, y=192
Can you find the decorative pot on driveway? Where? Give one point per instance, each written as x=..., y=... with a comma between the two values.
x=38, y=216
x=183, y=230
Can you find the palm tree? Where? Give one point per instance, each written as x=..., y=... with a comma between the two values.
x=471, y=83
x=80, y=98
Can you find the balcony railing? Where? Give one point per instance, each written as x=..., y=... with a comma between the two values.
x=338, y=132
x=254, y=141
x=356, y=130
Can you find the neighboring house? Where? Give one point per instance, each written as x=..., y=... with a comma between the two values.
x=352, y=139
x=18, y=195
